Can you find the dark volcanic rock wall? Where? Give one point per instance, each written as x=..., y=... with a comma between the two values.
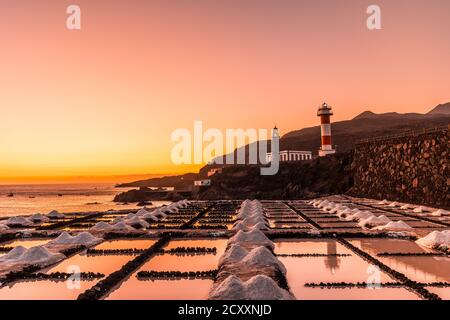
x=294, y=180
x=412, y=168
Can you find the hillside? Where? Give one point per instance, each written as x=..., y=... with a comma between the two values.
x=366, y=125
x=181, y=182
x=441, y=109
x=345, y=134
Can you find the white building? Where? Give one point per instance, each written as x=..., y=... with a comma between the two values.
x=202, y=183
x=291, y=155
x=288, y=155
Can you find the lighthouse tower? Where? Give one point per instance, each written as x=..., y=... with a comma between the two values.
x=275, y=133
x=324, y=112
x=274, y=155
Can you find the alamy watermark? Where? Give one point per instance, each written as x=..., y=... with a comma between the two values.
x=73, y=21
x=374, y=20
x=208, y=146
x=74, y=281
x=374, y=279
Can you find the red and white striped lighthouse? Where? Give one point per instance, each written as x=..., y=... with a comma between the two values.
x=324, y=112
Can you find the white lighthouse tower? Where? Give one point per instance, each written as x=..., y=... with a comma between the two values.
x=324, y=112
x=274, y=146
x=275, y=133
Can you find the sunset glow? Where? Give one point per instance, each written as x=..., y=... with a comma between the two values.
x=104, y=100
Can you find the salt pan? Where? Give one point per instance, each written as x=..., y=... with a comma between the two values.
x=436, y=238
x=394, y=225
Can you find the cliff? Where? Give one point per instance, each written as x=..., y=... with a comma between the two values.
x=180, y=182
x=294, y=180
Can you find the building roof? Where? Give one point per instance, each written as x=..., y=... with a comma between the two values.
x=302, y=151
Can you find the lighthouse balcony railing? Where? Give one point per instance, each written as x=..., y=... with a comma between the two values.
x=322, y=112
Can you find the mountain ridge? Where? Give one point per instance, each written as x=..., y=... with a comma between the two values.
x=443, y=108
x=344, y=134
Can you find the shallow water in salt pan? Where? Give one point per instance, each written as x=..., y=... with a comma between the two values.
x=301, y=270
x=163, y=290
x=170, y=262
x=375, y=246
x=421, y=269
x=287, y=246
x=126, y=244
x=43, y=290
x=329, y=269
x=288, y=225
x=220, y=244
x=356, y=294
x=103, y=264
x=26, y=243
x=133, y=288
x=183, y=262
x=444, y=293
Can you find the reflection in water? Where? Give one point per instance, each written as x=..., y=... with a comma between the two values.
x=357, y=294
x=332, y=261
x=374, y=246
x=195, y=289
x=330, y=269
x=417, y=268
x=421, y=269
x=43, y=290
x=314, y=270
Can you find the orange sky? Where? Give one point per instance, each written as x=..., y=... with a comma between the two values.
x=104, y=100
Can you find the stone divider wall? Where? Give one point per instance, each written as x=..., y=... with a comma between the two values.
x=411, y=167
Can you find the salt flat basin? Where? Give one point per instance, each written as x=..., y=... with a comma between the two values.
x=126, y=244
x=103, y=264
x=337, y=224
x=105, y=219
x=198, y=262
x=421, y=269
x=422, y=232
x=42, y=290
x=170, y=262
x=423, y=224
x=183, y=289
x=322, y=246
x=220, y=244
x=375, y=246
x=178, y=289
x=290, y=225
x=357, y=294
x=26, y=243
x=301, y=270
x=326, y=269
x=444, y=293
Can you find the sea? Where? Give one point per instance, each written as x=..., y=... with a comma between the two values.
x=66, y=198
